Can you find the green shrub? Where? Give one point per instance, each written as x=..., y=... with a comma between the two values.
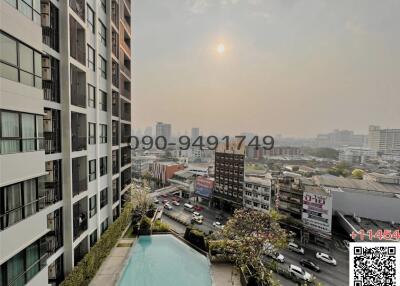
x=86, y=269
x=196, y=237
x=145, y=225
x=159, y=226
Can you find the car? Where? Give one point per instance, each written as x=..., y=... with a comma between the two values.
x=298, y=272
x=219, y=217
x=176, y=203
x=165, y=201
x=164, y=195
x=197, y=220
x=197, y=214
x=326, y=258
x=295, y=248
x=156, y=201
x=277, y=256
x=168, y=206
x=310, y=264
x=346, y=243
x=198, y=208
x=218, y=225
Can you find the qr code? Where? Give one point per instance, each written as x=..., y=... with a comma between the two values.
x=374, y=264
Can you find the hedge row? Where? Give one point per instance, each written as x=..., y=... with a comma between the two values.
x=86, y=269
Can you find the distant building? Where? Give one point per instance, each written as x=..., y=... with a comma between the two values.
x=257, y=193
x=284, y=151
x=141, y=165
x=163, y=171
x=203, y=189
x=381, y=178
x=229, y=176
x=340, y=138
x=356, y=155
x=385, y=141
x=163, y=129
x=148, y=131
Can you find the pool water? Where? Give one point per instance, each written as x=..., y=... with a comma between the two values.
x=163, y=260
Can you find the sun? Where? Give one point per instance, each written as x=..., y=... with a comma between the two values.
x=221, y=48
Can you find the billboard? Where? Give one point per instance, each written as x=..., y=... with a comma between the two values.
x=204, y=187
x=317, y=212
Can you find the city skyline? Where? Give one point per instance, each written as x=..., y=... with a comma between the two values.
x=312, y=67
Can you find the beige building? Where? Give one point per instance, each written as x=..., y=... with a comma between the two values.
x=386, y=141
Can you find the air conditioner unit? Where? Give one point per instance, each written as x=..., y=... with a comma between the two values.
x=46, y=73
x=45, y=7
x=46, y=63
x=45, y=20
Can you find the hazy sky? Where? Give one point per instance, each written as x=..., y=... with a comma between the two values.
x=291, y=67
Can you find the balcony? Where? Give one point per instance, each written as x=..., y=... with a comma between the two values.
x=79, y=7
x=79, y=175
x=125, y=64
x=115, y=103
x=77, y=41
x=52, y=186
x=115, y=185
x=125, y=133
x=125, y=178
x=78, y=87
x=126, y=16
x=125, y=86
x=115, y=13
x=114, y=43
x=115, y=133
x=125, y=156
x=80, y=221
x=51, y=79
x=115, y=74
x=79, y=133
x=54, y=238
x=50, y=26
x=52, y=131
x=115, y=162
x=125, y=110
x=80, y=251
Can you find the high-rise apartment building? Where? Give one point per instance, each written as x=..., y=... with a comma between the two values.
x=386, y=141
x=229, y=176
x=195, y=133
x=65, y=123
x=163, y=129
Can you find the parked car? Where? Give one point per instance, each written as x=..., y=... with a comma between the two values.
x=197, y=220
x=218, y=225
x=156, y=201
x=188, y=207
x=168, y=206
x=176, y=203
x=277, y=256
x=164, y=195
x=325, y=258
x=197, y=214
x=298, y=272
x=295, y=248
x=165, y=201
x=310, y=264
x=198, y=208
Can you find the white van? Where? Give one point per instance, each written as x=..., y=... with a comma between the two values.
x=188, y=207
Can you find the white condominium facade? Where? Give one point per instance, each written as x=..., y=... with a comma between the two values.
x=386, y=141
x=65, y=123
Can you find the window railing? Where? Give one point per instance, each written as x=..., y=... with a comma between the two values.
x=17, y=214
x=80, y=225
x=24, y=277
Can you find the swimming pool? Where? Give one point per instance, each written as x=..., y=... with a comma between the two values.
x=164, y=260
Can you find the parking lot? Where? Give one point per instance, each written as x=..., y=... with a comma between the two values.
x=329, y=275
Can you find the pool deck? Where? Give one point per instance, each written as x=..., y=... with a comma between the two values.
x=111, y=268
x=225, y=275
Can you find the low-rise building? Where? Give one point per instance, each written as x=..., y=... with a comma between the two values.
x=356, y=155
x=257, y=193
x=163, y=171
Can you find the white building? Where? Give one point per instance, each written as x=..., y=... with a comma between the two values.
x=386, y=141
x=356, y=155
x=257, y=193
x=65, y=109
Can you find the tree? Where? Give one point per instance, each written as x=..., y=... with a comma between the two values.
x=140, y=200
x=244, y=237
x=357, y=174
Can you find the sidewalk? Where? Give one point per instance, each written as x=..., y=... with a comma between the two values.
x=111, y=268
x=225, y=275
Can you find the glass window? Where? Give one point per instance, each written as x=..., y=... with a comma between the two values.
x=30, y=195
x=92, y=170
x=10, y=142
x=103, y=133
x=90, y=18
x=93, y=238
x=26, y=58
x=103, y=67
x=39, y=132
x=8, y=49
x=13, y=203
x=32, y=256
x=91, y=60
x=103, y=166
x=92, y=206
x=103, y=198
x=15, y=267
x=103, y=100
x=92, y=133
x=103, y=33
x=38, y=63
x=91, y=96
x=28, y=132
